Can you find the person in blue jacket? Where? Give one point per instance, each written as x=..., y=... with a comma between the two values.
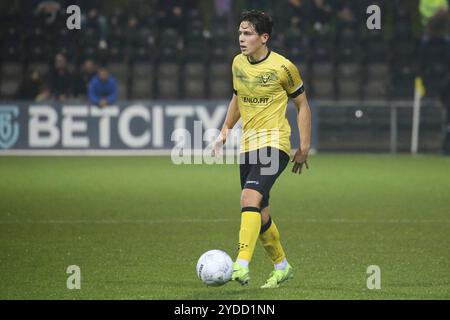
x=102, y=88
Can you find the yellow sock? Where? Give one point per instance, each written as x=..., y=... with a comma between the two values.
x=248, y=234
x=270, y=239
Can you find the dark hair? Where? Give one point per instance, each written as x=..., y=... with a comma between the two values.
x=260, y=20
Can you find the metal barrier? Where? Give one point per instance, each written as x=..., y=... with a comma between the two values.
x=379, y=116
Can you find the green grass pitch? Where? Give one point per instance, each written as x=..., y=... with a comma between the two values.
x=137, y=225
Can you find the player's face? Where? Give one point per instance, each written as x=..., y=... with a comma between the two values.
x=249, y=40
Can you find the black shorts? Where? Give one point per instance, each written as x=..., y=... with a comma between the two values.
x=260, y=168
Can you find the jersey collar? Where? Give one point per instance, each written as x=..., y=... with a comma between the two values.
x=256, y=62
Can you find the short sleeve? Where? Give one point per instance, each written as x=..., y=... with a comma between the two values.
x=291, y=79
x=233, y=76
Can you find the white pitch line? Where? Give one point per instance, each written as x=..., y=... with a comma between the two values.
x=162, y=221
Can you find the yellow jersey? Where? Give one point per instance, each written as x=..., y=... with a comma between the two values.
x=262, y=90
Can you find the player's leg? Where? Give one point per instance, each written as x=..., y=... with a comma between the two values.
x=248, y=233
x=270, y=239
x=250, y=218
x=250, y=223
x=269, y=234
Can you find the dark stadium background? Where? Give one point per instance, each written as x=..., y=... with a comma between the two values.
x=182, y=50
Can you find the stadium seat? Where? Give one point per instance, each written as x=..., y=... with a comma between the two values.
x=11, y=75
x=42, y=68
x=190, y=57
x=375, y=51
x=322, y=80
x=377, y=71
x=120, y=72
x=322, y=48
x=168, y=45
x=144, y=49
x=302, y=66
x=377, y=81
x=347, y=45
x=323, y=89
x=349, y=89
x=11, y=52
x=11, y=44
x=141, y=54
x=403, y=51
x=68, y=50
x=322, y=71
x=220, y=45
x=168, y=80
x=375, y=89
x=402, y=83
x=220, y=89
x=91, y=37
x=220, y=86
x=347, y=70
x=194, y=77
x=220, y=70
x=348, y=52
x=402, y=29
x=194, y=19
x=142, y=81
x=298, y=53
x=277, y=45
x=348, y=81
x=218, y=53
x=196, y=50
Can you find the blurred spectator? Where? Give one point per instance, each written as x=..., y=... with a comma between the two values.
x=222, y=17
x=32, y=88
x=95, y=21
x=445, y=99
x=320, y=15
x=297, y=14
x=49, y=9
x=223, y=7
x=60, y=79
x=51, y=17
x=345, y=17
x=82, y=80
x=171, y=14
x=132, y=33
x=439, y=24
x=429, y=8
x=103, y=88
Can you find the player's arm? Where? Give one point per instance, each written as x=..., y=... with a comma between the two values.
x=304, y=128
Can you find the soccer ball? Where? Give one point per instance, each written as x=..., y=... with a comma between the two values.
x=214, y=268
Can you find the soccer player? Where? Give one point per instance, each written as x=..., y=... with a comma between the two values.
x=263, y=81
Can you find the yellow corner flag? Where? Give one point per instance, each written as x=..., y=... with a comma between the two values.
x=419, y=86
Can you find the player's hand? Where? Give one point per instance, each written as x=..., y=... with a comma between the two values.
x=219, y=142
x=300, y=159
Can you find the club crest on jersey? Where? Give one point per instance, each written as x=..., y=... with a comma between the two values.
x=265, y=78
